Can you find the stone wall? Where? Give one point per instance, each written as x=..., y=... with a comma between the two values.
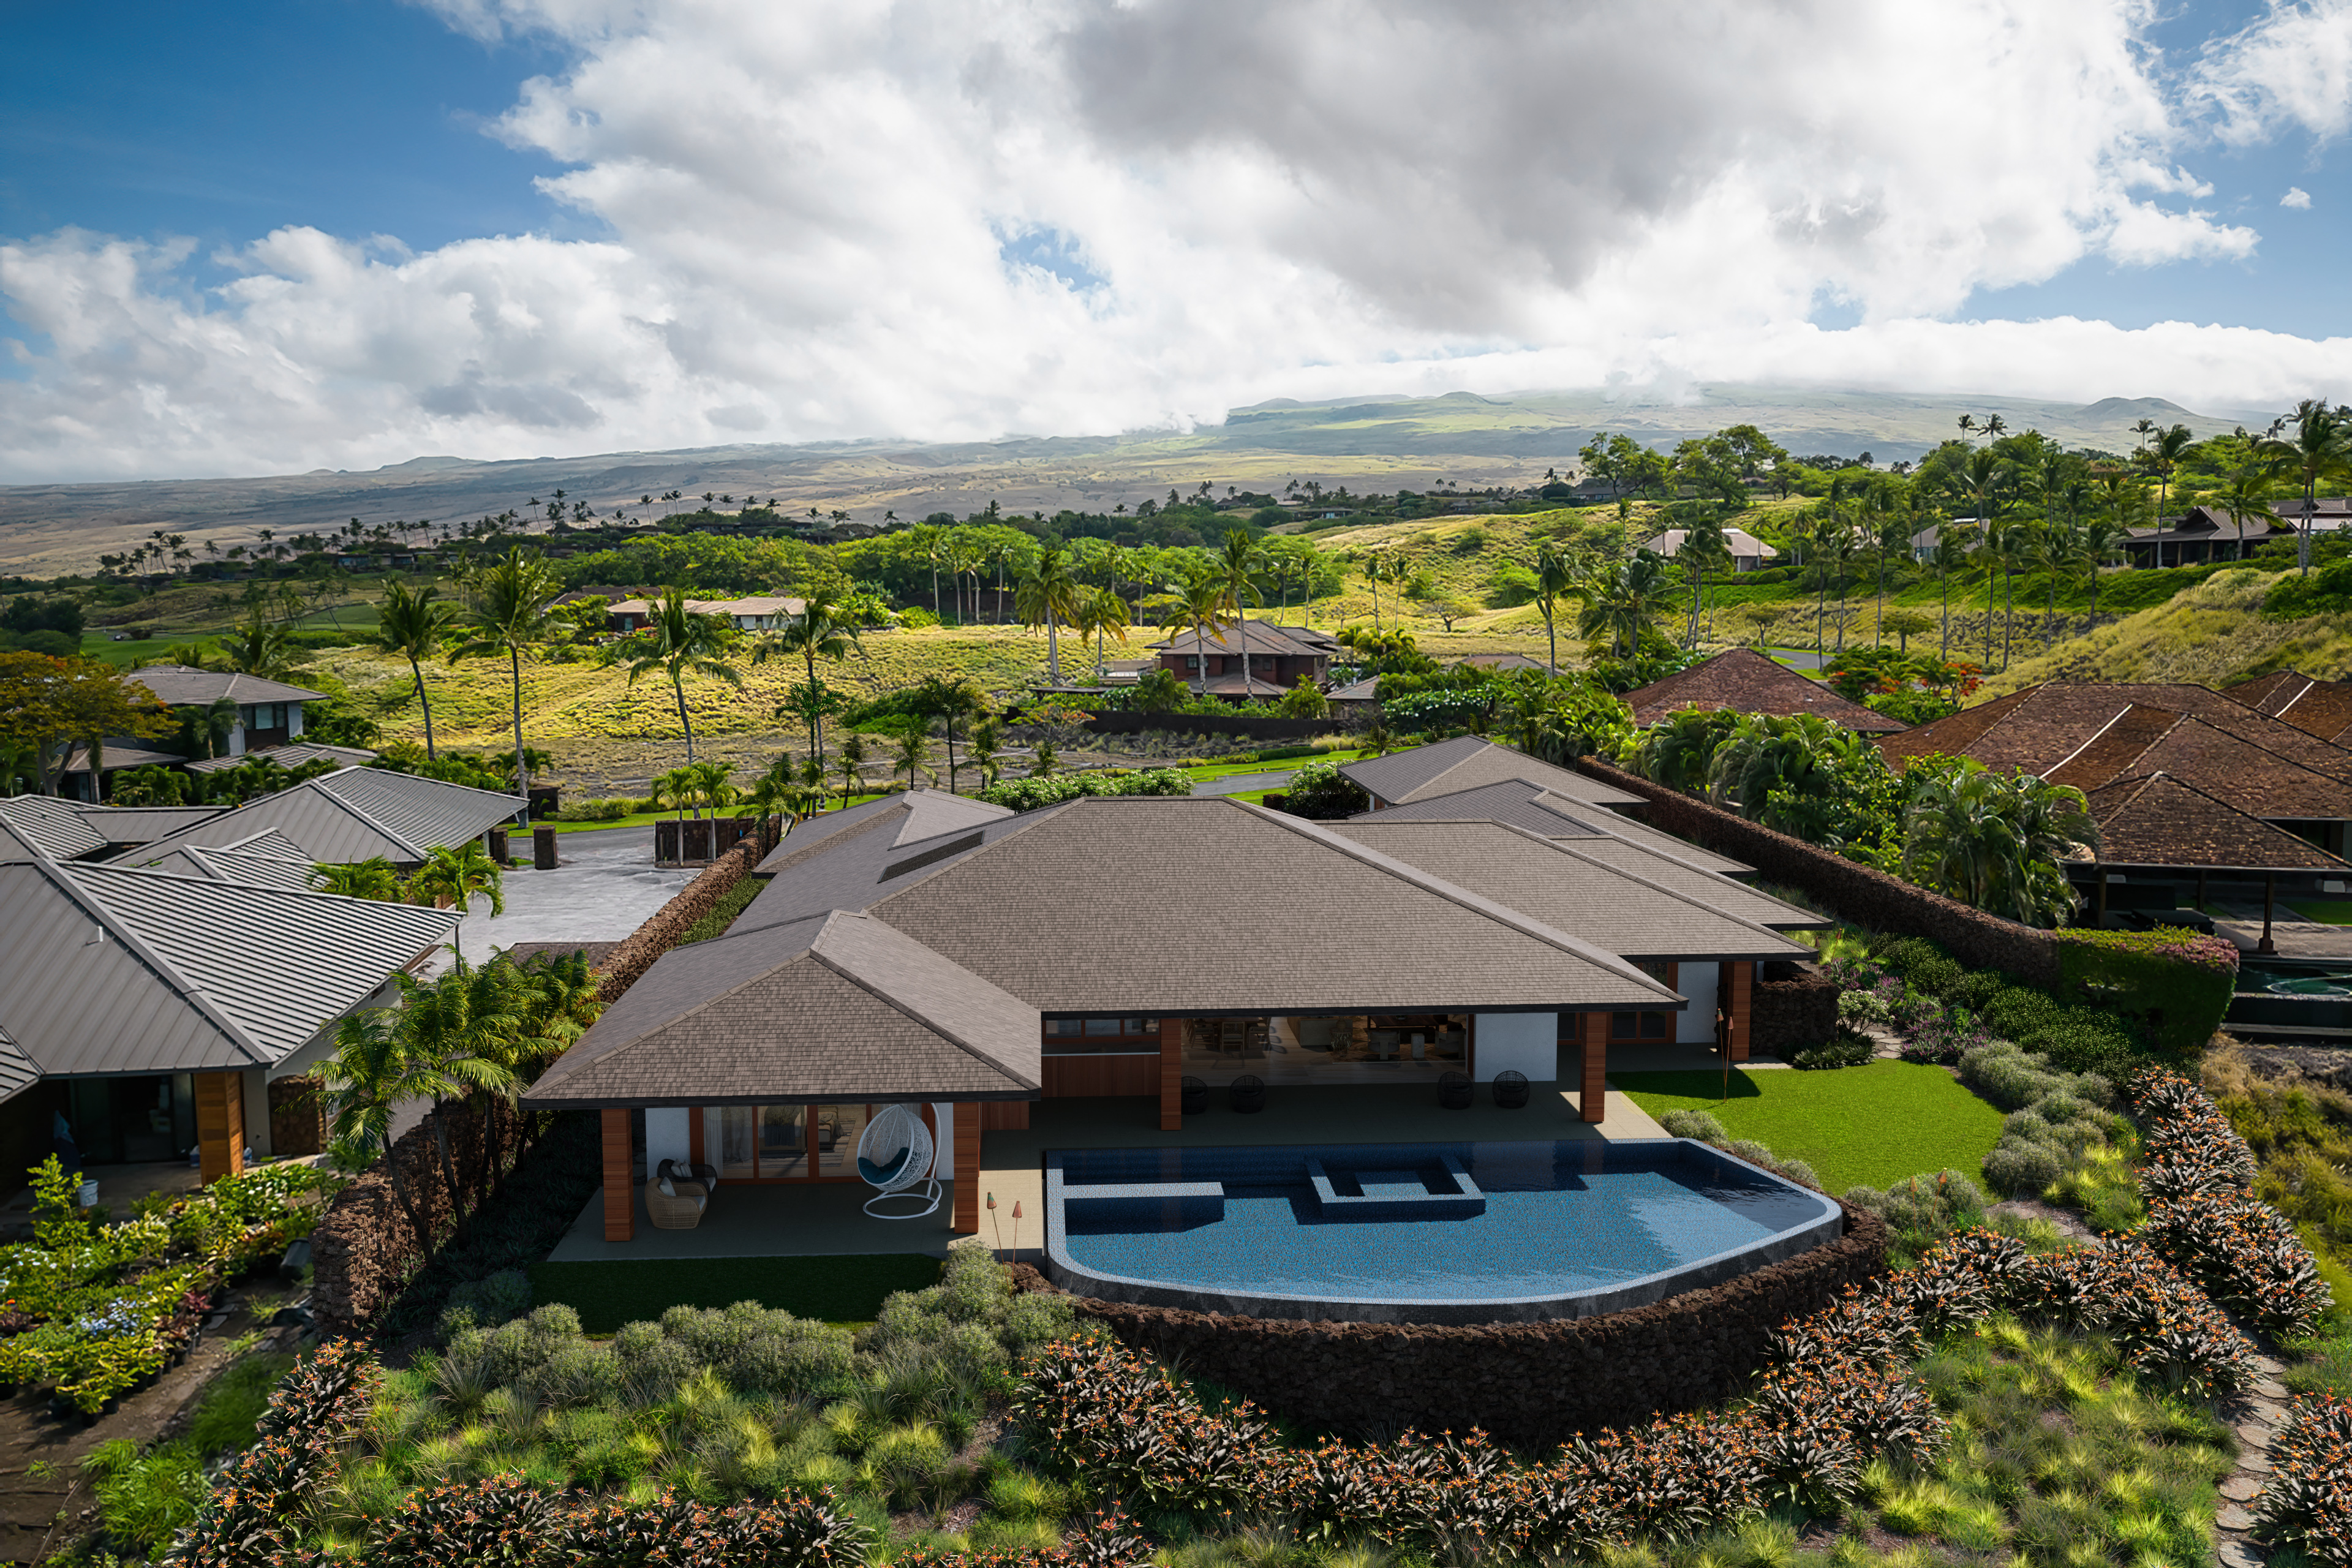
x=1793, y=1006
x=1530, y=1383
x=365, y=1245
x=298, y=1116
x=1857, y=893
x=661, y=932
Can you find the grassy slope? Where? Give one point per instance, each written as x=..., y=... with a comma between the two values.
x=2211, y=633
x=1869, y=1125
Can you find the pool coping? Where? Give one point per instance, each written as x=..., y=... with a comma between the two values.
x=1699, y=1273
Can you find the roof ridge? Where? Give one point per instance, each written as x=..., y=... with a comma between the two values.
x=2148, y=781
x=1462, y=897
x=952, y=1037
x=165, y=971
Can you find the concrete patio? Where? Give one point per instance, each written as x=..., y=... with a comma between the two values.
x=603, y=888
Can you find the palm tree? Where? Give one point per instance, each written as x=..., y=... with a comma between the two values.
x=1996, y=842
x=819, y=631
x=456, y=1031
x=1835, y=546
x=1374, y=570
x=852, y=757
x=461, y=874
x=509, y=614
x=2163, y=455
x=708, y=783
x=676, y=787
x=1555, y=576
x=370, y=879
x=1101, y=613
x=677, y=640
x=260, y=648
x=928, y=541
x=2246, y=496
x=368, y=1078
x=2319, y=450
x=984, y=748
x=2010, y=547
x=1198, y=599
x=2098, y=541
x=1043, y=760
x=1237, y=564
x=1622, y=599
x=1047, y=596
x=410, y=624
x=913, y=742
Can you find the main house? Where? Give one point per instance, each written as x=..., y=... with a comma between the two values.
x=977, y=963
x=1245, y=660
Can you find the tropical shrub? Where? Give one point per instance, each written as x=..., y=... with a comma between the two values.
x=2175, y=983
x=1320, y=792
x=1053, y=789
x=2306, y=1502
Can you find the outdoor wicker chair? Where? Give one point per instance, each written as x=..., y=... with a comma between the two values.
x=1453, y=1090
x=673, y=1205
x=1248, y=1093
x=1196, y=1095
x=1511, y=1089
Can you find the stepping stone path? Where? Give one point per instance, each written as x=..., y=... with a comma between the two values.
x=2255, y=1415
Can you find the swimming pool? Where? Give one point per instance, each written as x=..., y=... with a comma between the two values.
x=1429, y=1233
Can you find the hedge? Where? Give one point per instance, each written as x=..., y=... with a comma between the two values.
x=1032, y=793
x=2175, y=983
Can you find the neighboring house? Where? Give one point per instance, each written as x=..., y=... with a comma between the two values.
x=294, y=755
x=2205, y=533
x=1278, y=659
x=1467, y=762
x=752, y=613
x=268, y=712
x=1623, y=840
x=876, y=968
x=355, y=814
x=1749, y=553
x=2158, y=830
x=1746, y=681
x=2215, y=753
x=154, y=1010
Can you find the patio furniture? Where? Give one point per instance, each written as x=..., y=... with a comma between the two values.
x=1196, y=1095
x=894, y=1158
x=1248, y=1094
x=1511, y=1089
x=1453, y=1090
x=673, y=1205
x=679, y=1170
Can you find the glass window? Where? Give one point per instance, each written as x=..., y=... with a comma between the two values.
x=727, y=1138
x=835, y=1129
x=783, y=1148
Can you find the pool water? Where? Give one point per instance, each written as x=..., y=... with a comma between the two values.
x=1428, y=1232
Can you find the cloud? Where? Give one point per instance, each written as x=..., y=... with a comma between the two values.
x=2291, y=67
x=2296, y=196
x=954, y=218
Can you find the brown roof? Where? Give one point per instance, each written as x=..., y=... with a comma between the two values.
x=2321, y=708
x=1748, y=682
x=1629, y=915
x=1468, y=762
x=2159, y=820
x=1259, y=636
x=2045, y=728
x=839, y=1007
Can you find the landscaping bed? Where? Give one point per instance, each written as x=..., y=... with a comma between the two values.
x=839, y=1290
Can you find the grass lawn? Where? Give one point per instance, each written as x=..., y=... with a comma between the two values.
x=847, y=1291
x=2325, y=911
x=1868, y=1126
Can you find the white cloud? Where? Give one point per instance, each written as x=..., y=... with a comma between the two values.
x=2296, y=196
x=2290, y=68
x=952, y=219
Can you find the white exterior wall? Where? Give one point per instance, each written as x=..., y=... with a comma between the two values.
x=943, y=1139
x=257, y=1110
x=293, y=720
x=1695, y=1026
x=668, y=1136
x=1524, y=1043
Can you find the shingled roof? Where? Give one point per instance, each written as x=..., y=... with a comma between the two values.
x=1627, y=914
x=2158, y=820
x=2321, y=708
x=1747, y=682
x=909, y=818
x=1466, y=761
x=2041, y=728
x=836, y=1008
x=1525, y=804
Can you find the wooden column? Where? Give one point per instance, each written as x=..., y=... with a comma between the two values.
x=967, y=1171
x=694, y=1137
x=1742, y=1010
x=220, y=1124
x=1593, y=1088
x=1171, y=1074
x=620, y=1184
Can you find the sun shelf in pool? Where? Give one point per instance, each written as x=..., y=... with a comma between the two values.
x=1439, y=1233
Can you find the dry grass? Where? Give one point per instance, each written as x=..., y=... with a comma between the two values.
x=2210, y=635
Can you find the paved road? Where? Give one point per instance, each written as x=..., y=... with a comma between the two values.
x=1242, y=784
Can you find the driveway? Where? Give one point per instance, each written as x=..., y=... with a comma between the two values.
x=603, y=888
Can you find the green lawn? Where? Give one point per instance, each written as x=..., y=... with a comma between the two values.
x=837, y=1289
x=1868, y=1126
x=2325, y=911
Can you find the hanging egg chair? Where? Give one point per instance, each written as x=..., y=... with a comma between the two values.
x=894, y=1158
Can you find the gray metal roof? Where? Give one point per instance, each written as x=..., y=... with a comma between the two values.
x=356, y=814
x=293, y=755
x=16, y=1068
x=839, y=1007
x=1467, y=762
x=1547, y=880
x=128, y=825
x=268, y=859
x=180, y=686
x=279, y=964
x=56, y=827
x=1526, y=804
x=123, y=753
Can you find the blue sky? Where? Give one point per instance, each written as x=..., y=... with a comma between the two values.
x=786, y=220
